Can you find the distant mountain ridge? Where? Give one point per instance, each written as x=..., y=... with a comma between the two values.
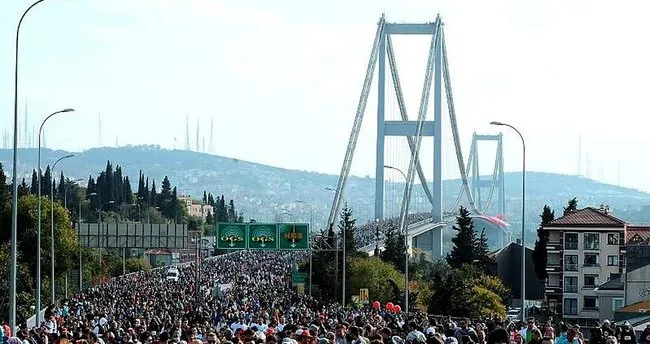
x=269, y=193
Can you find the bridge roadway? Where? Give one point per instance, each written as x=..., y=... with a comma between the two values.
x=426, y=236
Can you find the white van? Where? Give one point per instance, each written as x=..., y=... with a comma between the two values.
x=172, y=275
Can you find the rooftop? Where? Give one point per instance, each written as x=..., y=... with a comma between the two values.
x=587, y=217
x=636, y=235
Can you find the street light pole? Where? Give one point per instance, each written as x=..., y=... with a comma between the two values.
x=406, y=243
x=52, y=284
x=38, y=230
x=311, y=243
x=523, y=217
x=14, y=195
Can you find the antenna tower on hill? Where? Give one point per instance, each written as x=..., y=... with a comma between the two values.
x=187, y=132
x=211, y=144
x=99, y=128
x=197, y=136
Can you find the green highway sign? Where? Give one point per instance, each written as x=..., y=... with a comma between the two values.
x=299, y=278
x=293, y=236
x=263, y=236
x=231, y=236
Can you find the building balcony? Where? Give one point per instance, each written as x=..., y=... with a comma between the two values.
x=570, y=311
x=591, y=265
x=590, y=310
x=554, y=289
x=553, y=267
x=555, y=246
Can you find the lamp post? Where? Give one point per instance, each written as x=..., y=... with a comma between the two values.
x=38, y=231
x=343, y=273
x=14, y=196
x=523, y=217
x=52, y=284
x=311, y=219
x=406, y=244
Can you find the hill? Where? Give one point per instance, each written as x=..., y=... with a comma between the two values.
x=263, y=192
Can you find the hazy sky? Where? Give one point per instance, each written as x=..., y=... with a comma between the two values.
x=281, y=79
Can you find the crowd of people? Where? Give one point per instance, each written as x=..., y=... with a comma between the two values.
x=246, y=297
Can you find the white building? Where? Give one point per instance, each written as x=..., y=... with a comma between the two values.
x=585, y=250
x=194, y=207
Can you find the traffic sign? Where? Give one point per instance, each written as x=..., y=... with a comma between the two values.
x=294, y=236
x=263, y=236
x=299, y=278
x=231, y=236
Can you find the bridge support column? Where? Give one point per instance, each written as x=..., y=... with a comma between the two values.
x=436, y=242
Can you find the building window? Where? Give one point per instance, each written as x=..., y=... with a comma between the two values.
x=617, y=304
x=589, y=303
x=612, y=260
x=590, y=281
x=571, y=306
x=571, y=241
x=612, y=238
x=570, y=284
x=591, y=259
x=592, y=241
x=571, y=263
x=553, y=260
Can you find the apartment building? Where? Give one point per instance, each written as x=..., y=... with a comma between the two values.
x=585, y=250
x=194, y=207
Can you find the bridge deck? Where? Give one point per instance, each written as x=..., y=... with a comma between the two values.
x=414, y=229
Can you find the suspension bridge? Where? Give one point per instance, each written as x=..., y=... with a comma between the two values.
x=425, y=234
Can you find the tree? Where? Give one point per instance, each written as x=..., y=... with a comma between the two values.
x=540, y=253
x=34, y=186
x=46, y=181
x=572, y=205
x=394, y=248
x=347, y=226
x=373, y=273
x=464, y=250
x=4, y=190
x=482, y=254
x=23, y=189
x=232, y=213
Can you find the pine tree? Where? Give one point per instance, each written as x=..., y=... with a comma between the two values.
x=232, y=213
x=347, y=226
x=482, y=254
x=60, y=192
x=540, y=252
x=572, y=205
x=46, y=181
x=208, y=218
x=127, y=192
x=4, y=190
x=394, y=248
x=464, y=251
x=34, y=188
x=23, y=189
x=153, y=195
x=118, y=187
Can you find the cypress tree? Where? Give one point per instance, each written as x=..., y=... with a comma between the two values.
x=46, y=181
x=34, y=187
x=232, y=213
x=127, y=192
x=394, y=248
x=205, y=197
x=540, y=252
x=464, y=251
x=60, y=192
x=153, y=196
x=23, y=189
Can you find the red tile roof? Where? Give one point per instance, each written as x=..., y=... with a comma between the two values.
x=587, y=217
x=637, y=235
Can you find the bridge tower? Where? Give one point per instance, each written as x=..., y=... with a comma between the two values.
x=406, y=127
x=497, y=182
